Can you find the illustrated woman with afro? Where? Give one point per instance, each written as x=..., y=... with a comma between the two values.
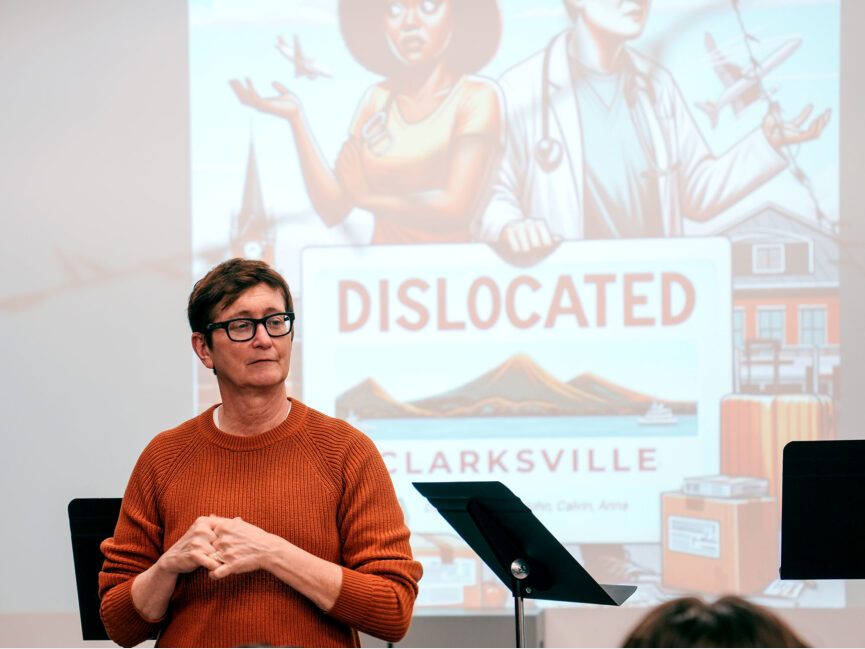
x=424, y=140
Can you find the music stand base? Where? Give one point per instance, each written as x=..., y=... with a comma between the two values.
x=519, y=621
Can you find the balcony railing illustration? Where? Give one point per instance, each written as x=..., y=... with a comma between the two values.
x=770, y=367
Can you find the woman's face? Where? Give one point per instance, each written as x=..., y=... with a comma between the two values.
x=418, y=31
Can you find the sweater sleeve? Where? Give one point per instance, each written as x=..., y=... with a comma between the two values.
x=135, y=546
x=380, y=577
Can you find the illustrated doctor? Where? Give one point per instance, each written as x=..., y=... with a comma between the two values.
x=600, y=142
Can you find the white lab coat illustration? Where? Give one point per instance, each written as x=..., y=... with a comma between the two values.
x=693, y=183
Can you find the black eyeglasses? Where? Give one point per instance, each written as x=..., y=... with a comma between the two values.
x=242, y=329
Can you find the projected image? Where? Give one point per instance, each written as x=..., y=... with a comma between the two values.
x=589, y=249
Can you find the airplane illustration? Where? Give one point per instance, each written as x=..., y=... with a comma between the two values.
x=303, y=67
x=741, y=86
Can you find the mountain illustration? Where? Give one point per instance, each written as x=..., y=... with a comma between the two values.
x=517, y=387
x=368, y=400
x=627, y=401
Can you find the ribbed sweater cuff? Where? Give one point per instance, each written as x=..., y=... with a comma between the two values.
x=366, y=607
x=128, y=626
x=352, y=604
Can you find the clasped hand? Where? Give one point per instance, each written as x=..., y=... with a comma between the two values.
x=222, y=546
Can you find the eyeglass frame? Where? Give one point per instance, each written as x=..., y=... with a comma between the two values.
x=225, y=324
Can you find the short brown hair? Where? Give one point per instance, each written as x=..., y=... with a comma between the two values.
x=224, y=283
x=730, y=621
x=475, y=39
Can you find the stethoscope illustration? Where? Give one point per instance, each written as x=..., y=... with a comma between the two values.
x=549, y=150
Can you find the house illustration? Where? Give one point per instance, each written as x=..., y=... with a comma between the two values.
x=786, y=303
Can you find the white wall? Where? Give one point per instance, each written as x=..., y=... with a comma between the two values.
x=94, y=177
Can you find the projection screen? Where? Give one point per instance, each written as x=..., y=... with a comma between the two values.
x=608, y=290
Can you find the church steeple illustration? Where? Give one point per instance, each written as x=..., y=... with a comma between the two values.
x=252, y=228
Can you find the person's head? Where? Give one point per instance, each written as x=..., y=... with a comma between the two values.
x=623, y=19
x=241, y=352
x=394, y=37
x=730, y=621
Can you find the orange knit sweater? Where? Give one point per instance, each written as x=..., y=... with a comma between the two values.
x=313, y=480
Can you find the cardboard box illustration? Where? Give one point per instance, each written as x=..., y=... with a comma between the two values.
x=719, y=545
x=451, y=571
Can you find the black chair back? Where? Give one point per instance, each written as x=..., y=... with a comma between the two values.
x=91, y=521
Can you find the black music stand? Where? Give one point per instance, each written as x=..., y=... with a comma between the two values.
x=823, y=500
x=91, y=521
x=517, y=547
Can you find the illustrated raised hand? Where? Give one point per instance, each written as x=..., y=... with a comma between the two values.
x=782, y=133
x=284, y=104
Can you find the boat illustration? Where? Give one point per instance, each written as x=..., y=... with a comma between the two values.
x=658, y=415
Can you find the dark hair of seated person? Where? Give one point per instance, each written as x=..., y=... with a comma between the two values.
x=728, y=622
